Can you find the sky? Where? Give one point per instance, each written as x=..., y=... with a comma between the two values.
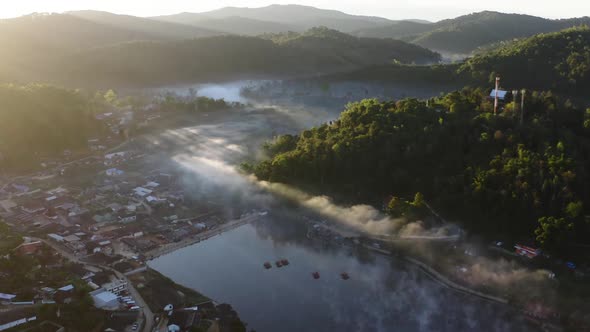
x=432, y=10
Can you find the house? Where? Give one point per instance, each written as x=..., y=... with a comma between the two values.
x=114, y=172
x=152, y=184
x=32, y=207
x=127, y=219
x=183, y=319
x=12, y=318
x=71, y=238
x=56, y=237
x=104, y=299
x=7, y=205
x=142, y=192
x=6, y=298
x=29, y=248
x=116, y=287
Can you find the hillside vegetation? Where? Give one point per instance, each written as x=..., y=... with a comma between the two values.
x=38, y=120
x=557, y=61
x=290, y=17
x=125, y=60
x=465, y=34
x=488, y=171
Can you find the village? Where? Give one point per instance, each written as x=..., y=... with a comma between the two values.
x=101, y=216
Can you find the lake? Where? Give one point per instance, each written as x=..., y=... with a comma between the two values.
x=382, y=294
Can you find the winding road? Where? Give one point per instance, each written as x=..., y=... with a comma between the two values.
x=147, y=312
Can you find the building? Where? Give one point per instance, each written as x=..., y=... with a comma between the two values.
x=8, y=205
x=6, y=298
x=184, y=319
x=29, y=248
x=12, y=318
x=142, y=192
x=104, y=299
x=114, y=172
x=116, y=287
x=56, y=237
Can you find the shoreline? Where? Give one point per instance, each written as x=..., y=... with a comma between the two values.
x=172, y=247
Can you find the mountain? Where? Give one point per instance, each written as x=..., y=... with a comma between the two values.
x=559, y=61
x=300, y=17
x=556, y=61
x=319, y=50
x=159, y=29
x=245, y=26
x=465, y=34
x=30, y=42
x=397, y=30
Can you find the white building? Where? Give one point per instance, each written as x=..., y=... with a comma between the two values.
x=56, y=237
x=104, y=299
x=116, y=287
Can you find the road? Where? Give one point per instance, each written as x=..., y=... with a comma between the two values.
x=147, y=312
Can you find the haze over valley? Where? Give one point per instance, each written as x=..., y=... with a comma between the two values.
x=291, y=168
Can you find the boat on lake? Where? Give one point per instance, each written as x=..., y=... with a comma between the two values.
x=316, y=275
x=267, y=265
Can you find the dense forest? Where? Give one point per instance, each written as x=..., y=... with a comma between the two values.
x=491, y=172
x=68, y=49
x=557, y=61
x=40, y=120
x=469, y=33
x=213, y=58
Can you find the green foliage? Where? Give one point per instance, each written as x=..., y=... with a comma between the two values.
x=469, y=33
x=552, y=231
x=172, y=102
x=110, y=97
x=559, y=61
x=490, y=171
x=40, y=120
x=145, y=61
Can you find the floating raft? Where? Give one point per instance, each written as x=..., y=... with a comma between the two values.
x=344, y=276
x=267, y=265
x=316, y=275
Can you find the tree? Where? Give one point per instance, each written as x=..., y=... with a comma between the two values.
x=552, y=231
x=110, y=96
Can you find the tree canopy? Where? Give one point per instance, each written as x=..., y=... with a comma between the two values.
x=490, y=171
x=40, y=120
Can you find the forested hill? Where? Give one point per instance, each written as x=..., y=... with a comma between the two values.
x=151, y=62
x=281, y=17
x=558, y=61
x=490, y=172
x=38, y=120
x=465, y=34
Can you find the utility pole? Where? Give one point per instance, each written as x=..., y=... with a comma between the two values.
x=514, y=100
x=522, y=93
x=496, y=95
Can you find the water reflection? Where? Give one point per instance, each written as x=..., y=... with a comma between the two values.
x=383, y=294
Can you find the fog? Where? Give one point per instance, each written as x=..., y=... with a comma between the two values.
x=208, y=151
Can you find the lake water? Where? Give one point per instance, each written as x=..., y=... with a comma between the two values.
x=382, y=294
